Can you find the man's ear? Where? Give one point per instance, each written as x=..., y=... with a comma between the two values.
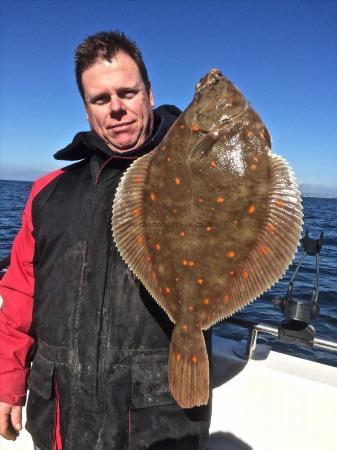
x=86, y=111
x=151, y=97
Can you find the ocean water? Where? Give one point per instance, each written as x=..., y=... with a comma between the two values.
x=319, y=215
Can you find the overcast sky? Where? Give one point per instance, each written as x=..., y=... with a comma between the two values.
x=281, y=54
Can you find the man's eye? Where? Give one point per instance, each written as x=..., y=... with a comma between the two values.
x=101, y=100
x=128, y=94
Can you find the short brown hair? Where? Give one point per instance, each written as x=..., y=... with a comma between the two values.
x=106, y=45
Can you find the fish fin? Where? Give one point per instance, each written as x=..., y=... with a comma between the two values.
x=274, y=248
x=128, y=230
x=204, y=146
x=188, y=368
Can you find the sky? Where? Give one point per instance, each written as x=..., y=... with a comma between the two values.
x=282, y=54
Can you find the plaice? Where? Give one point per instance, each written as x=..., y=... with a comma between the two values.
x=207, y=221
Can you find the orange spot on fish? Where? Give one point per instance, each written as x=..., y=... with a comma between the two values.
x=226, y=298
x=200, y=280
x=136, y=212
x=194, y=359
x=232, y=273
x=175, y=210
x=208, y=228
x=163, y=147
x=213, y=164
x=200, y=200
x=184, y=262
x=205, y=301
x=279, y=203
x=177, y=279
x=177, y=180
x=191, y=263
x=138, y=180
x=182, y=127
x=157, y=247
x=271, y=228
x=235, y=222
x=220, y=199
x=182, y=233
x=167, y=290
x=253, y=167
x=168, y=159
x=184, y=327
x=245, y=274
x=251, y=209
x=195, y=127
x=231, y=254
x=191, y=308
x=140, y=240
x=178, y=357
x=153, y=196
x=264, y=250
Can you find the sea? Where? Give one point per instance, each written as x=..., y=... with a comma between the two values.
x=320, y=215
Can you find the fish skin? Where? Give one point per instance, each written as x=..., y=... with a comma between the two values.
x=213, y=223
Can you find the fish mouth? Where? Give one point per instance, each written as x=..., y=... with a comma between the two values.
x=212, y=77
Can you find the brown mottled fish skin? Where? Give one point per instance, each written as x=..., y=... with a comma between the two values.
x=208, y=221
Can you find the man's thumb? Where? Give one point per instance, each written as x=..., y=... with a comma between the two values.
x=16, y=417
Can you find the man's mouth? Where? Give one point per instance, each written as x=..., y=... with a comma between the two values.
x=120, y=126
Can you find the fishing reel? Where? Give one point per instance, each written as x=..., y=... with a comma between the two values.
x=296, y=329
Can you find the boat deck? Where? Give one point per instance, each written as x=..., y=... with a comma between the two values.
x=279, y=403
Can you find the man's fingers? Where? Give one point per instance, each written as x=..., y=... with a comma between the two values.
x=6, y=427
x=17, y=417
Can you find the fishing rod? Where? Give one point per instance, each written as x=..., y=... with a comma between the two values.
x=296, y=328
x=299, y=313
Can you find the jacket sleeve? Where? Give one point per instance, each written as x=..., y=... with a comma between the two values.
x=17, y=291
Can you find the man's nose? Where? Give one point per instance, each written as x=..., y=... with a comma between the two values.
x=116, y=104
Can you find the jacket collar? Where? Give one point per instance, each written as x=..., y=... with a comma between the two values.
x=87, y=143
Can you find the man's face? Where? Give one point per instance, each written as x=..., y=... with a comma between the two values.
x=118, y=105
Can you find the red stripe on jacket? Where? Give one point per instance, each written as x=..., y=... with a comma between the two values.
x=17, y=291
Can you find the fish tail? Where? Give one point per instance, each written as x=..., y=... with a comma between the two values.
x=188, y=368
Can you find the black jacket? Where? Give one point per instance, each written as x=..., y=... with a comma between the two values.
x=102, y=342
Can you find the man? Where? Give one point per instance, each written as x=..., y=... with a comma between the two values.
x=98, y=342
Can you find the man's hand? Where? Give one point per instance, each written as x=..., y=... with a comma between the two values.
x=10, y=421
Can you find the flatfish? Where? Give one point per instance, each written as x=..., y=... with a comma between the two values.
x=208, y=221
